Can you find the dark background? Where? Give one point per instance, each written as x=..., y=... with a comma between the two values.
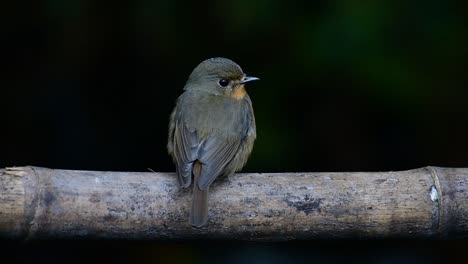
x=346, y=86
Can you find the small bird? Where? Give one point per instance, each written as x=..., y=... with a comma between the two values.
x=211, y=130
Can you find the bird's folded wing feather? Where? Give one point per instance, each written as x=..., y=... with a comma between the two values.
x=215, y=154
x=186, y=145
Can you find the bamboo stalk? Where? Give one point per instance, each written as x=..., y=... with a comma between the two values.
x=40, y=203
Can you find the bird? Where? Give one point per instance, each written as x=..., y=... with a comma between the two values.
x=211, y=129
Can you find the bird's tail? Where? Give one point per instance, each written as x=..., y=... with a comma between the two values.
x=199, y=213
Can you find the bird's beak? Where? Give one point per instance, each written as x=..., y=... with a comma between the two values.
x=247, y=79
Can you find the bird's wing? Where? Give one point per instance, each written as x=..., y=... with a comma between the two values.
x=215, y=154
x=186, y=145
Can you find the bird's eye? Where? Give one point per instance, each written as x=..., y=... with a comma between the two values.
x=223, y=82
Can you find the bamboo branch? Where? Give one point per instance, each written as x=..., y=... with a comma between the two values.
x=38, y=203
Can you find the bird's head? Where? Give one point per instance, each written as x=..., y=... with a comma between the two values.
x=219, y=76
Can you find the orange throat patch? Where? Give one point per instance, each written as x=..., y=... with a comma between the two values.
x=238, y=92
